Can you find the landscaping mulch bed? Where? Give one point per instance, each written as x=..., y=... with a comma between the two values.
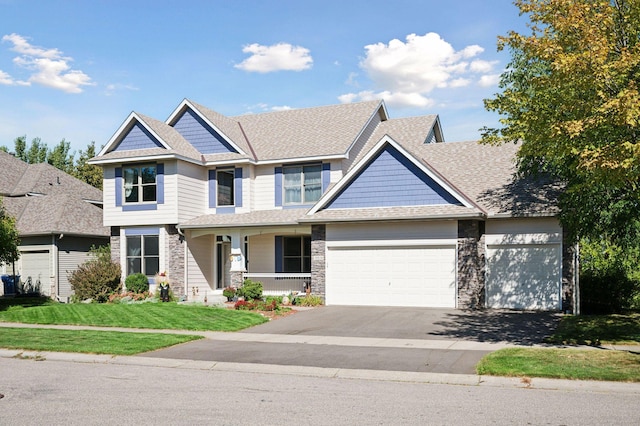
x=272, y=315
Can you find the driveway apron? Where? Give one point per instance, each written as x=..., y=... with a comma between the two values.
x=374, y=338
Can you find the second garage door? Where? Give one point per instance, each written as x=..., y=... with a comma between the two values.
x=423, y=276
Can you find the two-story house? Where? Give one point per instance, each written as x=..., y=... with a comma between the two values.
x=364, y=209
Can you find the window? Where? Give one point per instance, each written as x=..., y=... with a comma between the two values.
x=302, y=184
x=296, y=254
x=225, y=178
x=140, y=184
x=143, y=254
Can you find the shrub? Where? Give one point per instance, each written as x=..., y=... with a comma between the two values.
x=97, y=278
x=310, y=300
x=250, y=290
x=229, y=292
x=137, y=283
x=609, y=282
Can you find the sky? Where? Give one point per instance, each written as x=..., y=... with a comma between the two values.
x=74, y=70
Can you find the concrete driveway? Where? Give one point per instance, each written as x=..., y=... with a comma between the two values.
x=373, y=338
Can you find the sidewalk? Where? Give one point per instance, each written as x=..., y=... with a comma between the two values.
x=326, y=372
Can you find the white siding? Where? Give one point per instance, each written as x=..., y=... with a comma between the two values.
x=262, y=253
x=165, y=213
x=200, y=260
x=263, y=188
x=193, y=192
x=523, y=226
x=393, y=231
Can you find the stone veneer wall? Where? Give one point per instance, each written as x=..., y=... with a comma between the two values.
x=570, y=294
x=471, y=264
x=114, y=242
x=318, y=264
x=174, y=260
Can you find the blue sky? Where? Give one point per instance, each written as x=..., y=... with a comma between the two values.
x=76, y=69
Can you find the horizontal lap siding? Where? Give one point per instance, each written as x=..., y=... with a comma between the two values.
x=73, y=252
x=393, y=231
x=192, y=193
x=163, y=213
x=359, y=143
x=261, y=253
x=200, y=261
x=263, y=188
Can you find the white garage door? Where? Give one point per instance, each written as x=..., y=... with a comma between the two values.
x=524, y=276
x=36, y=266
x=391, y=276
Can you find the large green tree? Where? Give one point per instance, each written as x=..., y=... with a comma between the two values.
x=9, y=240
x=570, y=98
x=86, y=172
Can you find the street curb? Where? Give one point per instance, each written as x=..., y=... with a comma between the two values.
x=340, y=373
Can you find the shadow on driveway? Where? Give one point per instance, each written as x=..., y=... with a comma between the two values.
x=525, y=328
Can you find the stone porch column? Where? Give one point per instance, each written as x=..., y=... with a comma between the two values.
x=471, y=264
x=318, y=265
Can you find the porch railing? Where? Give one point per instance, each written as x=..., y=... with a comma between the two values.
x=280, y=283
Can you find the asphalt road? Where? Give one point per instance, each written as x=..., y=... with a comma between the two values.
x=71, y=393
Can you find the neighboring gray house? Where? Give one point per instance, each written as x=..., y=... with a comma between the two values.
x=364, y=209
x=58, y=218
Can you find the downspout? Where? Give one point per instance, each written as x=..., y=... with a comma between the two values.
x=185, y=261
x=53, y=288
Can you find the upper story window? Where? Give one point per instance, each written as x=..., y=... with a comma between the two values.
x=302, y=184
x=225, y=187
x=140, y=184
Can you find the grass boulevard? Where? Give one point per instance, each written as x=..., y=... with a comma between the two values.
x=556, y=362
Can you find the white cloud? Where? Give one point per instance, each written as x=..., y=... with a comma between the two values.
x=48, y=67
x=277, y=57
x=281, y=108
x=406, y=72
x=110, y=89
x=489, y=80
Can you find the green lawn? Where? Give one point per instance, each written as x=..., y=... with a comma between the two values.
x=563, y=363
x=96, y=342
x=145, y=315
x=598, y=329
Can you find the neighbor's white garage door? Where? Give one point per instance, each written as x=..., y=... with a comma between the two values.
x=36, y=264
x=524, y=276
x=391, y=276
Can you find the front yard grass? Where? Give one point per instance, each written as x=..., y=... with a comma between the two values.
x=144, y=315
x=598, y=329
x=85, y=341
x=585, y=364
x=579, y=364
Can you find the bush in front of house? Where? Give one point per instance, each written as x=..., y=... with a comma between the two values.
x=250, y=290
x=137, y=283
x=97, y=278
x=609, y=277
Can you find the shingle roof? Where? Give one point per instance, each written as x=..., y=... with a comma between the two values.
x=62, y=205
x=392, y=213
x=254, y=218
x=486, y=174
x=308, y=132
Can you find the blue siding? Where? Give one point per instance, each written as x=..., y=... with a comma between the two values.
x=212, y=189
x=160, y=183
x=119, y=186
x=139, y=207
x=200, y=135
x=237, y=183
x=138, y=138
x=326, y=176
x=278, y=185
x=279, y=255
x=391, y=180
x=142, y=231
